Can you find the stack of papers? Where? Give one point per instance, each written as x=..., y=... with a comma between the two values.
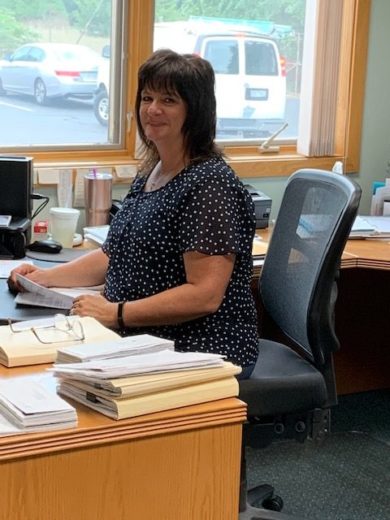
x=28, y=406
x=96, y=234
x=164, y=361
x=146, y=383
x=370, y=227
x=128, y=346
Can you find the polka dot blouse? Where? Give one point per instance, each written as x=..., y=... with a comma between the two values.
x=205, y=208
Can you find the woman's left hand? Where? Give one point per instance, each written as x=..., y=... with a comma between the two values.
x=97, y=307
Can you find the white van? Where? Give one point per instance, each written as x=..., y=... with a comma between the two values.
x=249, y=73
x=250, y=82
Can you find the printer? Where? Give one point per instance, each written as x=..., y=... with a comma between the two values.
x=262, y=206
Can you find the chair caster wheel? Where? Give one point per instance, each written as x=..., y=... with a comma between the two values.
x=274, y=503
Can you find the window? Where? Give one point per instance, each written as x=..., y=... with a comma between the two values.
x=83, y=109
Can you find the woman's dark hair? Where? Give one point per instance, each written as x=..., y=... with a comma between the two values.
x=192, y=78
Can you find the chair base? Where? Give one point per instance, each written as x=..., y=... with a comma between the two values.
x=256, y=513
x=264, y=495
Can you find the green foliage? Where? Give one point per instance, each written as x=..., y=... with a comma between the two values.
x=288, y=12
x=12, y=32
x=281, y=12
x=33, y=9
x=90, y=16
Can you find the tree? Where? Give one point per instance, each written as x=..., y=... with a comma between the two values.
x=12, y=32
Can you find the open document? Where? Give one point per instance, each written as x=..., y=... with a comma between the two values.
x=55, y=298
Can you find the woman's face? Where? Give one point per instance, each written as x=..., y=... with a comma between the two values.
x=162, y=116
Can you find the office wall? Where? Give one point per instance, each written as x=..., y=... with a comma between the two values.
x=375, y=149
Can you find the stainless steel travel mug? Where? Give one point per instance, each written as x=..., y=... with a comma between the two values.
x=98, y=198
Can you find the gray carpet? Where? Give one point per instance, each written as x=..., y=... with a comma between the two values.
x=345, y=478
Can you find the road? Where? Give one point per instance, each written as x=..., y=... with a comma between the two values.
x=63, y=121
x=70, y=122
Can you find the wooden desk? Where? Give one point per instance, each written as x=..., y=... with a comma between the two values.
x=178, y=465
x=362, y=315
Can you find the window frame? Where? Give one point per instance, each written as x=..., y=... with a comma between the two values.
x=246, y=160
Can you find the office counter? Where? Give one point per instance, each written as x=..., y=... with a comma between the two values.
x=182, y=464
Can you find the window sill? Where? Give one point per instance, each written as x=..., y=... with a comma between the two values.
x=246, y=162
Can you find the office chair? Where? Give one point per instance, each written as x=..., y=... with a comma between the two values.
x=292, y=387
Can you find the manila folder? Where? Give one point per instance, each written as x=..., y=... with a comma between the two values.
x=156, y=402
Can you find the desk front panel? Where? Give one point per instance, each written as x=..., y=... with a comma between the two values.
x=175, y=465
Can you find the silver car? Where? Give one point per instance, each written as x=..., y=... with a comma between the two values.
x=50, y=70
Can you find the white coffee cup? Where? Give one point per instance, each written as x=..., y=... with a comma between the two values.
x=63, y=223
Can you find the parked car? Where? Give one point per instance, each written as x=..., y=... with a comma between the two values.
x=101, y=95
x=50, y=70
x=250, y=81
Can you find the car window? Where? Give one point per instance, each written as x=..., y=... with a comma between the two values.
x=260, y=59
x=36, y=54
x=223, y=56
x=21, y=54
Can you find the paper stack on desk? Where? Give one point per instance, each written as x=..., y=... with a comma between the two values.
x=147, y=383
x=96, y=234
x=370, y=227
x=27, y=406
x=128, y=346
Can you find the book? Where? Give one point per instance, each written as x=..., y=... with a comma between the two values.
x=24, y=348
x=146, y=384
x=26, y=405
x=128, y=346
x=155, y=402
x=53, y=297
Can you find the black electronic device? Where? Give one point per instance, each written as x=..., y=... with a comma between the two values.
x=14, y=237
x=262, y=206
x=45, y=246
x=116, y=206
x=16, y=184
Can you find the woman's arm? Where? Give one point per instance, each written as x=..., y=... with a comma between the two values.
x=89, y=269
x=202, y=294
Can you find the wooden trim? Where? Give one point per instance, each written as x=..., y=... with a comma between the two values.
x=353, y=59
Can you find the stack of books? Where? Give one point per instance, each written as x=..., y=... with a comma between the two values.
x=129, y=386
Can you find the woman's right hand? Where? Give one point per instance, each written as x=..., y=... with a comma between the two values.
x=32, y=272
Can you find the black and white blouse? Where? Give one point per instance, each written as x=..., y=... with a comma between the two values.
x=205, y=208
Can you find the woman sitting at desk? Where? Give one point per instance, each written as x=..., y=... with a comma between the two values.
x=177, y=261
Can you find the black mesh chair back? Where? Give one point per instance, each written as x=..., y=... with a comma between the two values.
x=293, y=384
x=298, y=280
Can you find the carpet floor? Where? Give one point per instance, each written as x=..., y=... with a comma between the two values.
x=347, y=477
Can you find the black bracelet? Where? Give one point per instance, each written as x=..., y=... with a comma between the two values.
x=121, y=323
